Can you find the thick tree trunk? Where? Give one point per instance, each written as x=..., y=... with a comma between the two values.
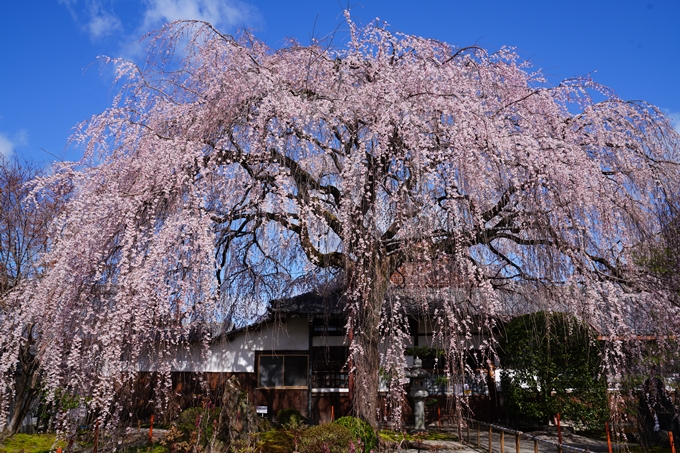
x=367, y=293
x=22, y=404
x=26, y=382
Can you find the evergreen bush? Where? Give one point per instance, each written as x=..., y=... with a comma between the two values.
x=361, y=430
x=327, y=438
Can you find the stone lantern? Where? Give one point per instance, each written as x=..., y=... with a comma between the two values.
x=418, y=391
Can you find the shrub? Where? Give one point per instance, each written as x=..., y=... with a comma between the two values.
x=360, y=430
x=194, y=426
x=328, y=438
x=552, y=365
x=285, y=416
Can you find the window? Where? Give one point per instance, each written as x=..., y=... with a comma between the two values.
x=329, y=367
x=283, y=371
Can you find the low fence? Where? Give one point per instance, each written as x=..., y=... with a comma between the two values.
x=489, y=429
x=492, y=438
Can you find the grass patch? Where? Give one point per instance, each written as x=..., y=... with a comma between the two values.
x=399, y=436
x=31, y=443
x=276, y=441
x=434, y=435
x=389, y=436
x=44, y=443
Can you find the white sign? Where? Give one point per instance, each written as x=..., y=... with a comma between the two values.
x=261, y=409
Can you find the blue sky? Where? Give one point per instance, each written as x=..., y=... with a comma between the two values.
x=50, y=80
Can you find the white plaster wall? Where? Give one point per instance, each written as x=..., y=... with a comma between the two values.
x=291, y=336
x=238, y=355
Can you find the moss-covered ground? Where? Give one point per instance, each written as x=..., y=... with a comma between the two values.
x=31, y=443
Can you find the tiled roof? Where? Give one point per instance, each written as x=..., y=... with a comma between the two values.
x=311, y=303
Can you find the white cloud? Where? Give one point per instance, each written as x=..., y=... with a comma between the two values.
x=8, y=144
x=221, y=13
x=99, y=20
x=103, y=24
x=68, y=3
x=94, y=17
x=675, y=120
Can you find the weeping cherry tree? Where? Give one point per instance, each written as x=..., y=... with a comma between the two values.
x=227, y=173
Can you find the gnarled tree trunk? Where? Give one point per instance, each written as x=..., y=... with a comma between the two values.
x=26, y=382
x=366, y=293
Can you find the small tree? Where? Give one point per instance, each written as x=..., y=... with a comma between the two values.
x=24, y=223
x=551, y=364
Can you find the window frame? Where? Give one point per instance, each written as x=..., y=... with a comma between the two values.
x=283, y=355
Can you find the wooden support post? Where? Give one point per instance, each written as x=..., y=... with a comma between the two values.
x=609, y=437
x=151, y=430
x=535, y=446
x=517, y=443
x=502, y=442
x=96, y=436
x=479, y=434
x=332, y=413
x=559, y=434
x=670, y=437
x=490, y=439
x=439, y=417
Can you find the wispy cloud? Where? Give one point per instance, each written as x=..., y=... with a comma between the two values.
x=675, y=120
x=103, y=24
x=99, y=19
x=221, y=13
x=94, y=16
x=9, y=143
